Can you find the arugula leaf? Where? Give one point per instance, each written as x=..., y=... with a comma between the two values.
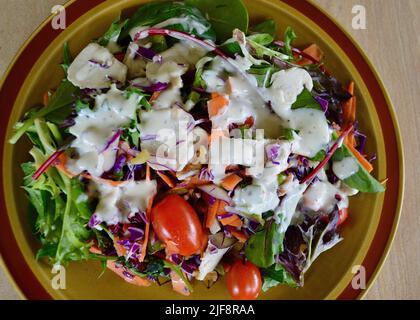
x=306, y=100
x=155, y=12
x=224, y=16
x=58, y=108
x=264, y=245
x=268, y=26
x=112, y=34
x=362, y=180
x=275, y=275
x=289, y=37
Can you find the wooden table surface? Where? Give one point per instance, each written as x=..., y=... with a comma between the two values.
x=392, y=43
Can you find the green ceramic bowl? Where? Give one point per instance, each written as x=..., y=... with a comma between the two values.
x=373, y=217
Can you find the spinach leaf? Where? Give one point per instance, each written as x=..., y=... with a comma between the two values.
x=275, y=275
x=224, y=16
x=231, y=48
x=306, y=100
x=264, y=245
x=155, y=12
x=362, y=180
x=268, y=26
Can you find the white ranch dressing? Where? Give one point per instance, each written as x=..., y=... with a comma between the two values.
x=262, y=196
x=167, y=135
x=345, y=168
x=118, y=203
x=93, y=129
x=96, y=68
x=322, y=196
x=175, y=62
x=314, y=133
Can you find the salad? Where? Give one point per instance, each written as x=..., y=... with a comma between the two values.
x=184, y=145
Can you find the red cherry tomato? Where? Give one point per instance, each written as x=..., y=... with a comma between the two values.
x=342, y=214
x=244, y=281
x=177, y=225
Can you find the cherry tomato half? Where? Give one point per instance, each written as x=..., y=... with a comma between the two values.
x=244, y=281
x=342, y=214
x=177, y=225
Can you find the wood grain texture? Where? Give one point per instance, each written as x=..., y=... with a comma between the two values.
x=391, y=41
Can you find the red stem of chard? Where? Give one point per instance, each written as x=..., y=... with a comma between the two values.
x=328, y=156
x=44, y=167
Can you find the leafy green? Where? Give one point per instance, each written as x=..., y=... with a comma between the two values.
x=155, y=12
x=289, y=37
x=264, y=245
x=260, y=50
x=263, y=39
x=275, y=275
x=268, y=26
x=67, y=59
x=306, y=100
x=263, y=74
x=112, y=34
x=61, y=205
x=177, y=269
x=200, y=65
x=361, y=180
x=288, y=134
x=57, y=109
x=320, y=155
x=231, y=48
x=224, y=16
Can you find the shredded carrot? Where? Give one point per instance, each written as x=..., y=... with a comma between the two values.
x=60, y=164
x=233, y=221
x=349, y=113
x=166, y=179
x=121, y=250
x=211, y=213
x=221, y=207
x=230, y=182
x=95, y=250
x=217, y=103
x=178, y=284
x=216, y=134
x=364, y=162
x=136, y=280
x=240, y=235
x=146, y=231
x=46, y=98
x=148, y=172
x=154, y=96
x=313, y=51
x=349, y=107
